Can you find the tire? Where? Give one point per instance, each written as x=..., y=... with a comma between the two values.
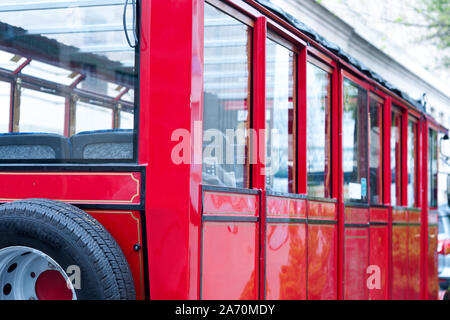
x=70, y=237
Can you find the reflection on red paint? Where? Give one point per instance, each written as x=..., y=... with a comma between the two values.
x=356, y=259
x=225, y=204
x=399, y=262
x=433, y=286
x=322, y=262
x=286, y=262
x=229, y=259
x=356, y=215
x=322, y=210
x=379, y=215
x=414, y=262
x=379, y=258
x=277, y=206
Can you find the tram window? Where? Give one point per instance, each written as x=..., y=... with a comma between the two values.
x=72, y=71
x=92, y=117
x=280, y=118
x=227, y=103
x=432, y=168
x=355, y=136
x=34, y=105
x=396, y=158
x=412, y=161
x=5, y=100
x=318, y=132
x=376, y=150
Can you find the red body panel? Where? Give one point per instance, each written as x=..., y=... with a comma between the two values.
x=379, y=215
x=414, y=262
x=356, y=261
x=277, y=207
x=322, y=211
x=356, y=215
x=432, y=263
x=286, y=263
x=229, y=261
x=126, y=228
x=322, y=262
x=72, y=187
x=215, y=203
x=400, y=262
x=379, y=243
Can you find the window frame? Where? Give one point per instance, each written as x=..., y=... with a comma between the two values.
x=366, y=86
x=274, y=36
x=381, y=98
x=329, y=67
x=416, y=122
x=66, y=92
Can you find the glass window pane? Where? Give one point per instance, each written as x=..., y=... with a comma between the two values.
x=280, y=95
x=10, y=61
x=318, y=132
x=354, y=141
x=226, y=100
x=50, y=73
x=432, y=168
x=5, y=97
x=396, y=159
x=77, y=67
x=376, y=150
x=41, y=112
x=126, y=120
x=91, y=117
x=412, y=160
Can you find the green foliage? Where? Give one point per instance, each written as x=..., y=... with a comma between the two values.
x=437, y=14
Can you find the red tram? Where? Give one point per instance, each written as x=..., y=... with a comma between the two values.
x=224, y=151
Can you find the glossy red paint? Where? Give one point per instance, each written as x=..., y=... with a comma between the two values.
x=286, y=263
x=399, y=216
x=356, y=215
x=285, y=207
x=72, y=187
x=223, y=204
x=126, y=229
x=379, y=215
x=322, y=210
x=432, y=264
x=356, y=261
x=322, y=262
x=229, y=261
x=379, y=243
x=414, y=216
x=414, y=277
x=400, y=262
x=171, y=88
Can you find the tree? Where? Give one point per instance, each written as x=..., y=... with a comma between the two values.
x=437, y=15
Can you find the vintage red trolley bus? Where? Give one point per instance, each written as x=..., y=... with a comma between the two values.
x=205, y=149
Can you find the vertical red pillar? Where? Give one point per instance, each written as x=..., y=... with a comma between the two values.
x=387, y=185
x=338, y=108
x=258, y=138
x=424, y=174
x=171, y=88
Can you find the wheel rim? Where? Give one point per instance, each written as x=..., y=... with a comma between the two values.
x=30, y=274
